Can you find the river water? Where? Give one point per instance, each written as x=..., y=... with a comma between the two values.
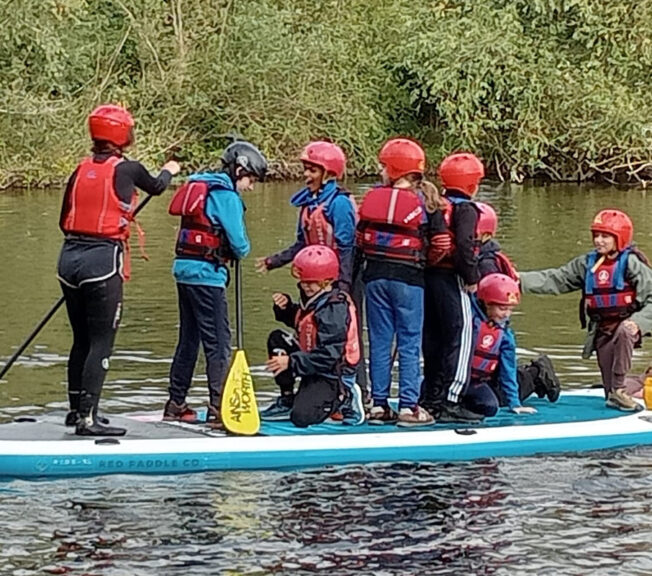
x=573, y=514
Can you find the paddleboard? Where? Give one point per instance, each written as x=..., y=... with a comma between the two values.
x=41, y=447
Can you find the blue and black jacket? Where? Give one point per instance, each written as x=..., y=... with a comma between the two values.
x=225, y=209
x=340, y=211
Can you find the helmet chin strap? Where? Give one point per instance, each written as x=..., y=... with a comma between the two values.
x=234, y=172
x=306, y=301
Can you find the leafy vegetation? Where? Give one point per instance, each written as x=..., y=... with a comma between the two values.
x=551, y=88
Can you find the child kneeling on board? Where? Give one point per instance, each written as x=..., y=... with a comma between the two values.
x=324, y=351
x=538, y=376
x=493, y=363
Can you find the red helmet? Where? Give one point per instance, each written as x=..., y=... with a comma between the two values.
x=111, y=123
x=327, y=155
x=316, y=263
x=487, y=220
x=617, y=224
x=461, y=171
x=499, y=289
x=401, y=156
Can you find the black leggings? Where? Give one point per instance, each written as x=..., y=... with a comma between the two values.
x=94, y=310
x=316, y=397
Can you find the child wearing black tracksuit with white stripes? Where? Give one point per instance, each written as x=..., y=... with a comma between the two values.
x=451, y=275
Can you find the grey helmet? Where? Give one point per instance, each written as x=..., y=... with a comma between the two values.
x=245, y=155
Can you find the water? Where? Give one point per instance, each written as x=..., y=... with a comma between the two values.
x=575, y=514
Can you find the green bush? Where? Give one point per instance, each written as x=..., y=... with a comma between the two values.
x=552, y=88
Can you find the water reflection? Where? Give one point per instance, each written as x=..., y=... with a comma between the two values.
x=552, y=515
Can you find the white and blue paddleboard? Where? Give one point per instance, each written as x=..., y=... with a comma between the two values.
x=42, y=447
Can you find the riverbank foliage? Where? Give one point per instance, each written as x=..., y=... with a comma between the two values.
x=551, y=88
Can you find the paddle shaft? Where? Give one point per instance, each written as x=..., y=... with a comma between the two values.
x=238, y=306
x=51, y=313
x=31, y=337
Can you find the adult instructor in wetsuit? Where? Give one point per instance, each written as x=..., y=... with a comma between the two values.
x=97, y=211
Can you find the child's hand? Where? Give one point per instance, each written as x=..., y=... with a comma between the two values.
x=261, y=265
x=172, y=167
x=524, y=410
x=281, y=300
x=631, y=327
x=278, y=364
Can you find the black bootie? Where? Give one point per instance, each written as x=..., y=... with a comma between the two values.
x=90, y=427
x=546, y=380
x=73, y=416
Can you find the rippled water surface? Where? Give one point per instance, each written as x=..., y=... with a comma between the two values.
x=575, y=514
x=586, y=514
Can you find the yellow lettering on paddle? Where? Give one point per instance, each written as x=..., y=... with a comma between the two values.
x=239, y=407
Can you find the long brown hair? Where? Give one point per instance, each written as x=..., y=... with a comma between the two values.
x=434, y=200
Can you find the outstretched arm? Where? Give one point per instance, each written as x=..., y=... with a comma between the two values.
x=566, y=278
x=287, y=255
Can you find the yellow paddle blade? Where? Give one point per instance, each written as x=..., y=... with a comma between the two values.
x=239, y=408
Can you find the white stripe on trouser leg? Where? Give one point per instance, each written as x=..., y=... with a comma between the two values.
x=466, y=342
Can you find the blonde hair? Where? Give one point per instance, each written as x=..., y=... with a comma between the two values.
x=434, y=201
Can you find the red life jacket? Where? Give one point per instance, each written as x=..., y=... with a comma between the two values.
x=486, y=354
x=317, y=229
x=505, y=266
x=198, y=238
x=441, y=245
x=307, y=328
x=608, y=295
x=391, y=225
x=93, y=207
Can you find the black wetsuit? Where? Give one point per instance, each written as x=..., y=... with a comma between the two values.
x=90, y=273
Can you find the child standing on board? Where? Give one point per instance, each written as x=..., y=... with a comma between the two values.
x=324, y=354
x=327, y=212
x=96, y=215
x=539, y=375
x=616, y=284
x=391, y=237
x=212, y=233
x=327, y=216
x=493, y=364
x=451, y=276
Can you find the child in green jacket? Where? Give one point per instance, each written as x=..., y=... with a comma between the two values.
x=616, y=283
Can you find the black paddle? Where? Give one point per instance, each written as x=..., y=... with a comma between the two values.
x=51, y=313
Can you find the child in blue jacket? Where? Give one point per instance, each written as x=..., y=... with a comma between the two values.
x=212, y=233
x=327, y=212
x=538, y=376
x=493, y=363
x=327, y=216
